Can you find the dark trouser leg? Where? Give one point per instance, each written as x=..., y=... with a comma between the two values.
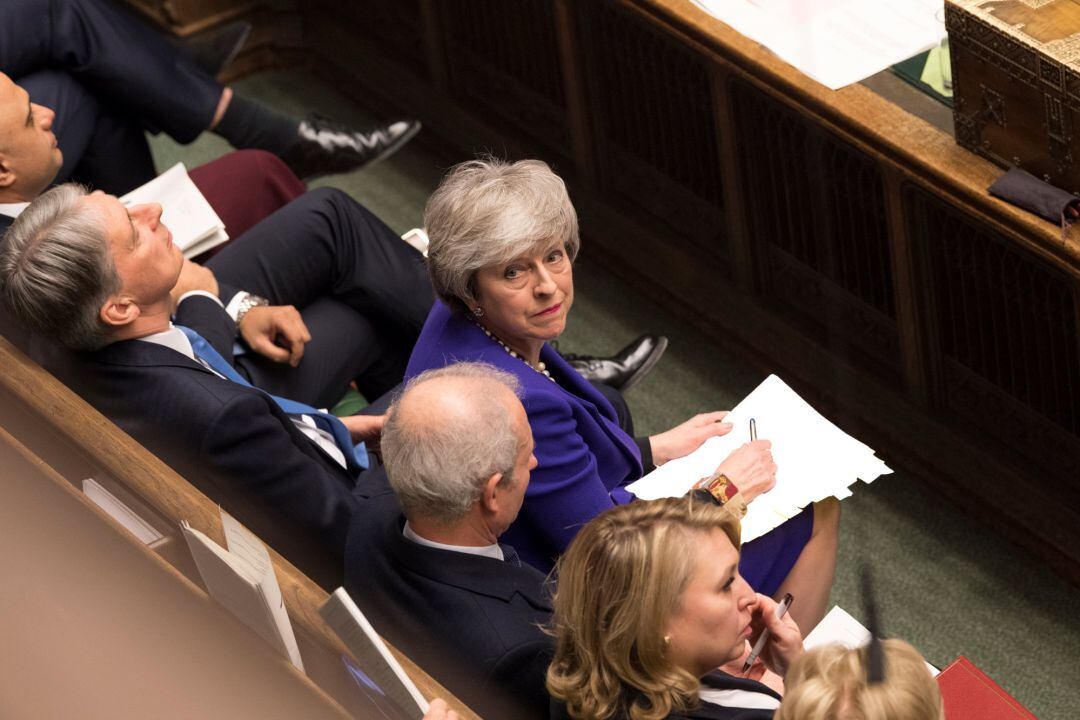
x=344, y=345
x=100, y=148
x=622, y=410
x=124, y=62
x=325, y=245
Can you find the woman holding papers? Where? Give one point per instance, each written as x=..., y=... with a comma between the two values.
x=652, y=620
x=503, y=241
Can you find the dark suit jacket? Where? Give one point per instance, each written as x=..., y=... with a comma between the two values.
x=472, y=622
x=707, y=711
x=584, y=458
x=232, y=442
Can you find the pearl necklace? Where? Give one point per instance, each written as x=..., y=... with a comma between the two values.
x=539, y=367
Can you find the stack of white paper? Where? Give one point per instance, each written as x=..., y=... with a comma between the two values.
x=242, y=579
x=814, y=458
x=836, y=42
x=195, y=226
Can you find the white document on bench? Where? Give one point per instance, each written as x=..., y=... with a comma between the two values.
x=242, y=579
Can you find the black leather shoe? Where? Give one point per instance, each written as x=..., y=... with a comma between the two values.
x=624, y=369
x=214, y=49
x=324, y=147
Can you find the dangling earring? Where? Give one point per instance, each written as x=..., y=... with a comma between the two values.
x=478, y=311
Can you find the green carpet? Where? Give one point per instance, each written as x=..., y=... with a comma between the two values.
x=946, y=584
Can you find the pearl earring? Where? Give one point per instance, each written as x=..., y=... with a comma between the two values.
x=478, y=311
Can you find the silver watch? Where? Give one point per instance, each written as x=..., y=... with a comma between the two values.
x=249, y=301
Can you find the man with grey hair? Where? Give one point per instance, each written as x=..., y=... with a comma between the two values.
x=424, y=562
x=107, y=280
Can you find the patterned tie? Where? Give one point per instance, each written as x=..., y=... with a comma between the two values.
x=205, y=352
x=510, y=555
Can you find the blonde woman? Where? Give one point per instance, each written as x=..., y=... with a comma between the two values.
x=830, y=684
x=650, y=603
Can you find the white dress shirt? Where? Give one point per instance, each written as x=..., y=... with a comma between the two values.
x=491, y=551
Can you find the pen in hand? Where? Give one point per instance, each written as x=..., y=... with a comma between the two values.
x=781, y=611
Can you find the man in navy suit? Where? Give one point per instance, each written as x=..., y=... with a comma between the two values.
x=109, y=77
x=105, y=280
x=424, y=563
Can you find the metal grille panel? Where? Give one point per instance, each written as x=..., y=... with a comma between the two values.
x=394, y=26
x=653, y=120
x=504, y=57
x=816, y=212
x=1008, y=329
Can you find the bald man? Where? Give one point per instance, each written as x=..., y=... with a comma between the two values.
x=424, y=562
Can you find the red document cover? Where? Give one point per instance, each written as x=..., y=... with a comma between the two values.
x=970, y=695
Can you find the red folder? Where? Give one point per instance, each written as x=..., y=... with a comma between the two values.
x=970, y=695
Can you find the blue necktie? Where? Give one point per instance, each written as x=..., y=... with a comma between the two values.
x=324, y=421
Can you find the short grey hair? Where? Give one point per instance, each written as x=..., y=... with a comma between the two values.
x=438, y=469
x=56, y=269
x=489, y=211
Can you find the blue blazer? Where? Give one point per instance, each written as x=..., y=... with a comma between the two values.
x=584, y=458
x=472, y=622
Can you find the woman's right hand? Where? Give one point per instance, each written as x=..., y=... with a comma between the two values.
x=751, y=468
x=785, y=643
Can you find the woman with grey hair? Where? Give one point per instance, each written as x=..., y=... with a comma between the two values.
x=503, y=238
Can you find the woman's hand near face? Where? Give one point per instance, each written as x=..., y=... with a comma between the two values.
x=686, y=438
x=751, y=468
x=784, y=645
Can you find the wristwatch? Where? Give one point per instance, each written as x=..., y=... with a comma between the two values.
x=247, y=302
x=719, y=490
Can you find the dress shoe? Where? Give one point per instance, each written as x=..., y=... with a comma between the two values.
x=324, y=147
x=214, y=49
x=624, y=369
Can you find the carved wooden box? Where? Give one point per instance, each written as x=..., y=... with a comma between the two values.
x=1016, y=83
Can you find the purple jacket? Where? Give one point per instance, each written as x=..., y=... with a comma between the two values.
x=584, y=458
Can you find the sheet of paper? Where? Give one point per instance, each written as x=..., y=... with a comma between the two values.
x=244, y=544
x=244, y=589
x=838, y=627
x=194, y=224
x=814, y=458
x=120, y=512
x=836, y=42
x=374, y=658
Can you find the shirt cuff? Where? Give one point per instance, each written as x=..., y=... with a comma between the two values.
x=204, y=293
x=232, y=308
